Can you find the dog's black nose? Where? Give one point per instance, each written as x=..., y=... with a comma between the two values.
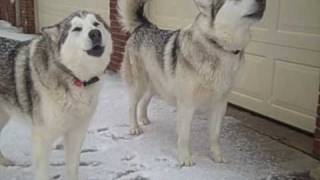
x=95, y=36
x=262, y=2
x=261, y=5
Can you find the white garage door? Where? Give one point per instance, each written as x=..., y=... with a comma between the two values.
x=50, y=12
x=282, y=70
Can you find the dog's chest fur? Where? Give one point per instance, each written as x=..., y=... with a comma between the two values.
x=210, y=71
x=63, y=110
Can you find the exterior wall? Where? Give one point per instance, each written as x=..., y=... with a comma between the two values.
x=7, y=11
x=26, y=12
x=51, y=12
x=169, y=14
x=27, y=16
x=317, y=132
x=119, y=38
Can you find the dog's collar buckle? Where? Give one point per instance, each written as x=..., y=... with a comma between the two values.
x=236, y=52
x=213, y=41
x=79, y=83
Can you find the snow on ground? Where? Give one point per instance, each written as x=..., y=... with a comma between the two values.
x=9, y=31
x=110, y=153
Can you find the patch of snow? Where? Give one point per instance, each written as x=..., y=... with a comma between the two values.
x=109, y=152
x=11, y=32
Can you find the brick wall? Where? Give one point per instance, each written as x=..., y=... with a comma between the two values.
x=119, y=38
x=316, y=149
x=8, y=11
x=27, y=12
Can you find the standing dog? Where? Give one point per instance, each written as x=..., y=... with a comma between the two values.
x=53, y=81
x=193, y=67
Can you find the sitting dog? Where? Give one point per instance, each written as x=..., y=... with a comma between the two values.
x=53, y=82
x=194, y=67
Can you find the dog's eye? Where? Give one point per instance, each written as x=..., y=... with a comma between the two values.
x=96, y=24
x=77, y=29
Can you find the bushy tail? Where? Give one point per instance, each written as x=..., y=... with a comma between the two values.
x=132, y=14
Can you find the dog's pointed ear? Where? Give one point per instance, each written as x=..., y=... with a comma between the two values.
x=205, y=6
x=52, y=32
x=105, y=24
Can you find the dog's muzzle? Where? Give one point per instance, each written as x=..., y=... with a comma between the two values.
x=96, y=39
x=258, y=13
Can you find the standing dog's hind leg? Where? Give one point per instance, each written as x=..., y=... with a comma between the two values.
x=4, y=119
x=143, y=108
x=134, y=97
x=136, y=88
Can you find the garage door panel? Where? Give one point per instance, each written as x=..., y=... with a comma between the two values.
x=300, y=17
x=291, y=23
x=293, y=55
x=289, y=39
x=291, y=117
x=255, y=78
x=294, y=87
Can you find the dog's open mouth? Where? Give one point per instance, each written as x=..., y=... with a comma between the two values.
x=256, y=15
x=96, y=51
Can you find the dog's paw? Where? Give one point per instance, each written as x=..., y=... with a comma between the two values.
x=145, y=121
x=217, y=157
x=6, y=162
x=185, y=161
x=136, y=131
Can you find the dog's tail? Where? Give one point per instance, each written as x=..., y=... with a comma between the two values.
x=132, y=14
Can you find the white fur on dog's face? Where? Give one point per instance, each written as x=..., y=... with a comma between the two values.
x=230, y=26
x=74, y=49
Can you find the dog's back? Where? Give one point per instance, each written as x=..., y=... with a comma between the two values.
x=8, y=51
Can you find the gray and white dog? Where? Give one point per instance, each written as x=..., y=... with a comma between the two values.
x=193, y=68
x=53, y=81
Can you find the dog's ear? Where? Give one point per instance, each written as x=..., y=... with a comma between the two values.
x=205, y=6
x=105, y=24
x=52, y=32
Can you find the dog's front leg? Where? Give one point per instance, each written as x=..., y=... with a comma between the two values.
x=184, y=119
x=4, y=119
x=41, y=148
x=73, y=140
x=217, y=113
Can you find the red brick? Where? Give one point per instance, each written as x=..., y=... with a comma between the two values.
x=27, y=16
x=317, y=134
x=118, y=49
x=116, y=61
x=119, y=36
x=117, y=29
x=115, y=66
x=316, y=148
x=120, y=43
x=113, y=11
x=117, y=54
x=114, y=17
x=113, y=4
x=318, y=121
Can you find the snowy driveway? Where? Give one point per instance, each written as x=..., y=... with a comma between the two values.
x=110, y=153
